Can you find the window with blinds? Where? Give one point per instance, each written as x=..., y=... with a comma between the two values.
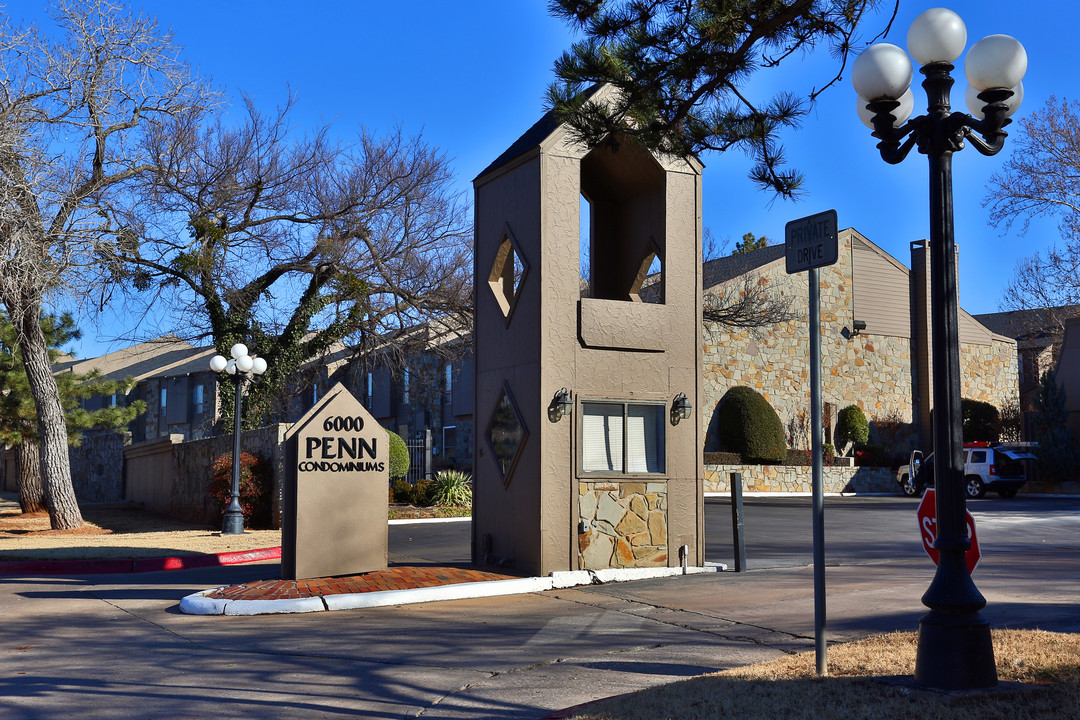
x=622, y=438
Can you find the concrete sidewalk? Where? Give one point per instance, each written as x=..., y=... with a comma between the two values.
x=117, y=646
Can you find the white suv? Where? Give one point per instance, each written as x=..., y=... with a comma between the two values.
x=999, y=468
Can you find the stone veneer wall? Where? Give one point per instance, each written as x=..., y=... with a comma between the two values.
x=797, y=478
x=989, y=373
x=193, y=460
x=872, y=371
x=97, y=467
x=626, y=525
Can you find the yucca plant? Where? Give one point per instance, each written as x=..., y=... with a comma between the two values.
x=452, y=487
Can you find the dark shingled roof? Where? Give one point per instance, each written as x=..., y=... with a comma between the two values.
x=723, y=269
x=530, y=139
x=1025, y=324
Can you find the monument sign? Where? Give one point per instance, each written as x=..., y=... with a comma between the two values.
x=334, y=500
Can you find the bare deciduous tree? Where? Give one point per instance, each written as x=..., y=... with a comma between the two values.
x=294, y=244
x=748, y=302
x=1042, y=179
x=71, y=112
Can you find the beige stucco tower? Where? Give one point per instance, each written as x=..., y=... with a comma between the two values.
x=587, y=280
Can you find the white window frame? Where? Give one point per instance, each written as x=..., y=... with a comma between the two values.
x=630, y=457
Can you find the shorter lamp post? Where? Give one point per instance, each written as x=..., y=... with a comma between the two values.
x=239, y=368
x=954, y=651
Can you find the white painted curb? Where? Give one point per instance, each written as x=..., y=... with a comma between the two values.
x=199, y=604
x=418, y=521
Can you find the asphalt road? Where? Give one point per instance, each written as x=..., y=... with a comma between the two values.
x=859, y=530
x=777, y=531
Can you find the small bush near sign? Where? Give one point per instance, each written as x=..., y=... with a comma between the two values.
x=399, y=456
x=254, y=488
x=452, y=487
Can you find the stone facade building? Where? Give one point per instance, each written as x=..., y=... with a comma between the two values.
x=875, y=344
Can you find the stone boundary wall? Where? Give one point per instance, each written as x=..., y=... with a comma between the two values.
x=97, y=467
x=189, y=499
x=797, y=478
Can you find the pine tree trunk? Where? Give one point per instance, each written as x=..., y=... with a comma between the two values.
x=31, y=489
x=52, y=428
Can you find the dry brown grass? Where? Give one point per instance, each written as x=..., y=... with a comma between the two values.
x=859, y=686
x=127, y=530
x=117, y=531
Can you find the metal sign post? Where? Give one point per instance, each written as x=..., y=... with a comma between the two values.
x=811, y=243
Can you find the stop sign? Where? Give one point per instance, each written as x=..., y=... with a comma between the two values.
x=927, y=514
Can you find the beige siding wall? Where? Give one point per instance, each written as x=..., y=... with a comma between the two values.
x=881, y=296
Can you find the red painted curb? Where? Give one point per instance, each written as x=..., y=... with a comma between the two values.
x=134, y=565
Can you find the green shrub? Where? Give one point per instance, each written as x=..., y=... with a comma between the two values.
x=400, y=491
x=255, y=481
x=982, y=421
x=852, y=428
x=452, y=487
x=748, y=425
x=421, y=492
x=399, y=456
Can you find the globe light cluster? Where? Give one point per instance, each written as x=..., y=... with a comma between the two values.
x=240, y=362
x=884, y=71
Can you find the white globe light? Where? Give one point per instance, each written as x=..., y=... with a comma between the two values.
x=937, y=35
x=218, y=363
x=258, y=366
x=231, y=367
x=975, y=105
x=902, y=113
x=882, y=71
x=238, y=350
x=996, y=61
x=244, y=363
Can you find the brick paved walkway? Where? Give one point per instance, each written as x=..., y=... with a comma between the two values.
x=401, y=577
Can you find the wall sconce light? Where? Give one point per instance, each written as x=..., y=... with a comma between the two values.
x=859, y=326
x=562, y=405
x=681, y=408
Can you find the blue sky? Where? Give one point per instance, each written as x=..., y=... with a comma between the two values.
x=472, y=75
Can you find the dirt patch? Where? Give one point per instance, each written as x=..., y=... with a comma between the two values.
x=116, y=531
x=128, y=530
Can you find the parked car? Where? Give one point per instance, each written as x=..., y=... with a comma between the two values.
x=999, y=468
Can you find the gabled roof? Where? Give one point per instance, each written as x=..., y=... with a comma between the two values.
x=548, y=132
x=166, y=356
x=1027, y=324
x=721, y=270
x=531, y=138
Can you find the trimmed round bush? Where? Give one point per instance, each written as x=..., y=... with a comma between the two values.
x=852, y=427
x=399, y=456
x=748, y=425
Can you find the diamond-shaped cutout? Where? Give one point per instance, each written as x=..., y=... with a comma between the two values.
x=507, y=274
x=506, y=434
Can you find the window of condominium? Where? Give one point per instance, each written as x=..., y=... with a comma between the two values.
x=622, y=438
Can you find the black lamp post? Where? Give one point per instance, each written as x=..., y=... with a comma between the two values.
x=955, y=651
x=240, y=368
